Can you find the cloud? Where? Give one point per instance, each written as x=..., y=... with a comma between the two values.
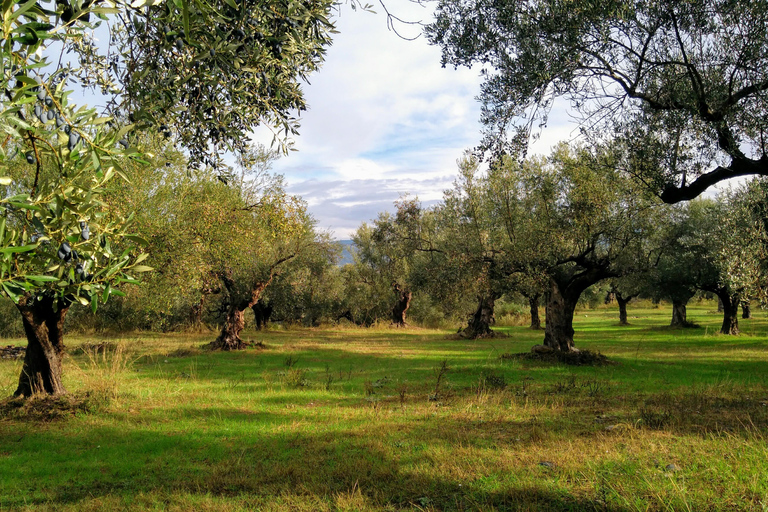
x=341, y=206
x=384, y=119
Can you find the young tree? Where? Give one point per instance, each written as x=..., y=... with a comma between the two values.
x=685, y=80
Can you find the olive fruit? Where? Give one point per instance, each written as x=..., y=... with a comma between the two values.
x=85, y=231
x=74, y=138
x=79, y=269
x=64, y=252
x=124, y=143
x=48, y=102
x=39, y=113
x=59, y=121
x=41, y=94
x=50, y=115
x=31, y=157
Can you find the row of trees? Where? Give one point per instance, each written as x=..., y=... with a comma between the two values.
x=671, y=100
x=553, y=227
x=202, y=75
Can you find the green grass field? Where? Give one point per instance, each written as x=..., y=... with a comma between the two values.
x=355, y=419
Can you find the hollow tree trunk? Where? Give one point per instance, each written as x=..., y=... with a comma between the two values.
x=623, y=301
x=533, y=303
x=679, y=314
x=746, y=311
x=558, y=333
x=43, y=322
x=261, y=313
x=402, y=305
x=730, y=313
x=480, y=322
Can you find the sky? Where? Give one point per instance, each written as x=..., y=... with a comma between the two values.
x=384, y=120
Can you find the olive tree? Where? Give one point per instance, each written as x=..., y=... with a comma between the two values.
x=58, y=243
x=570, y=217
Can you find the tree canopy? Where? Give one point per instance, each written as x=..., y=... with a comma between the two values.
x=683, y=82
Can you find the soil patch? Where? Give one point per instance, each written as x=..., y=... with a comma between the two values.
x=580, y=358
x=49, y=408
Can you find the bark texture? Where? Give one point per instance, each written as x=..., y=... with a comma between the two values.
x=401, y=306
x=479, y=325
x=558, y=333
x=563, y=294
x=746, y=310
x=43, y=324
x=533, y=303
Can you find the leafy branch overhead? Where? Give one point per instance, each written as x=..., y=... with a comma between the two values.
x=682, y=83
x=208, y=73
x=56, y=159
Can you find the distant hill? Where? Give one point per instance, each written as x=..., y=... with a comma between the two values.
x=346, y=253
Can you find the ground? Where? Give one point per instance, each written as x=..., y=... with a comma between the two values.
x=355, y=419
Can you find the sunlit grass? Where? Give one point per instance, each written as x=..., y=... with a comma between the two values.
x=353, y=419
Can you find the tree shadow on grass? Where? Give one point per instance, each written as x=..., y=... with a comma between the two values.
x=70, y=468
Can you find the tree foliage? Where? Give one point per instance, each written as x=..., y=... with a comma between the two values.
x=684, y=83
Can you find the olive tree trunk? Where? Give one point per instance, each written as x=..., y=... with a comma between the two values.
x=479, y=325
x=401, y=306
x=533, y=303
x=746, y=310
x=558, y=331
x=261, y=313
x=622, y=302
x=234, y=322
x=679, y=314
x=730, y=312
x=43, y=321
x=564, y=291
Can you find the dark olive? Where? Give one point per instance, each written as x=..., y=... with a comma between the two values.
x=64, y=252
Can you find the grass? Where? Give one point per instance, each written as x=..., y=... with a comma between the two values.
x=403, y=419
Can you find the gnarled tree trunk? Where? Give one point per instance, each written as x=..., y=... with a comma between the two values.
x=479, y=325
x=561, y=304
x=43, y=321
x=402, y=305
x=746, y=311
x=533, y=304
x=730, y=312
x=234, y=322
x=679, y=314
x=261, y=313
